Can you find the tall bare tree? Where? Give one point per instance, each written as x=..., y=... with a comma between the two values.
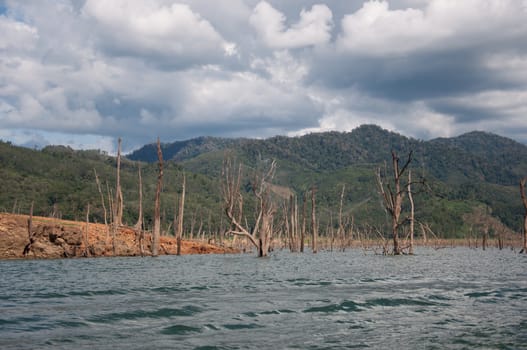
x=393, y=196
x=412, y=213
x=261, y=234
x=524, y=201
x=341, y=233
x=118, y=205
x=179, y=232
x=86, y=252
x=139, y=223
x=314, y=224
x=304, y=218
x=157, y=206
x=102, y=196
x=139, y=232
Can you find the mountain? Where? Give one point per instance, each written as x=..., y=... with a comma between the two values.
x=472, y=156
x=472, y=173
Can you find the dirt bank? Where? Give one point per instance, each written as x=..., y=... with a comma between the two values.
x=55, y=238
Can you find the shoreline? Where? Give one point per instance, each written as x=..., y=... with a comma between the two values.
x=57, y=238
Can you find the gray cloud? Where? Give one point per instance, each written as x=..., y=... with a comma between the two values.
x=96, y=70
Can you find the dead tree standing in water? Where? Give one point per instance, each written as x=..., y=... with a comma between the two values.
x=261, y=234
x=393, y=197
x=314, y=227
x=412, y=213
x=139, y=233
x=524, y=200
x=118, y=205
x=179, y=232
x=157, y=208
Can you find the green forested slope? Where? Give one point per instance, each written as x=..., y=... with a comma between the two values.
x=462, y=173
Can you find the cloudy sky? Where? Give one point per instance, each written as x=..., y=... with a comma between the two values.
x=83, y=73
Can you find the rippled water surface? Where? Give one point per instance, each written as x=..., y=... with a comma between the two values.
x=448, y=298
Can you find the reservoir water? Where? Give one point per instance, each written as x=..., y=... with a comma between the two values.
x=455, y=298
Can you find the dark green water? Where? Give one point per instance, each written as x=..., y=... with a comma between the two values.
x=448, y=298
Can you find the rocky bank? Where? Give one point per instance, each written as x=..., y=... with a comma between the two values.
x=54, y=238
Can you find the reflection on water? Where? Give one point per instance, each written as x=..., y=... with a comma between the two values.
x=449, y=298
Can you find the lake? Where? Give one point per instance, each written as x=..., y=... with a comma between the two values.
x=455, y=298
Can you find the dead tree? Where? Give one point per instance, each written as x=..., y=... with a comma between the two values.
x=30, y=233
x=314, y=227
x=157, y=207
x=393, y=197
x=291, y=223
x=412, y=211
x=139, y=232
x=139, y=224
x=341, y=231
x=303, y=228
x=524, y=201
x=261, y=234
x=102, y=197
x=86, y=252
x=118, y=204
x=179, y=232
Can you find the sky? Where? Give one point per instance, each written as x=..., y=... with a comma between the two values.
x=84, y=72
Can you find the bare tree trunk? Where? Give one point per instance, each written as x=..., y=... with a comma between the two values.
x=524, y=201
x=180, y=216
x=118, y=205
x=314, y=227
x=110, y=204
x=412, y=218
x=261, y=235
x=287, y=227
x=139, y=232
x=192, y=224
x=393, y=198
x=157, y=207
x=341, y=232
x=102, y=197
x=294, y=224
x=86, y=233
x=139, y=223
x=30, y=233
x=303, y=229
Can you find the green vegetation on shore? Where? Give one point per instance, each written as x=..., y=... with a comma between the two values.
x=470, y=178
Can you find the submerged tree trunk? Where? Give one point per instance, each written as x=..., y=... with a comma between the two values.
x=341, y=232
x=411, y=199
x=524, y=201
x=139, y=232
x=157, y=207
x=393, y=197
x=118, y=205
x=303, y=229
x=261, y=233
x=314, y=227
x=179, y=232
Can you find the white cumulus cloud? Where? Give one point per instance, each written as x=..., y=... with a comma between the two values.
x=313, y=27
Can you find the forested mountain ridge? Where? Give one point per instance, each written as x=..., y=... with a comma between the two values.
x=474, y=172
x=475, y=155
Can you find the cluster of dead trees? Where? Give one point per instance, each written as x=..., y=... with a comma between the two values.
x=117, y=204
x=275, y=214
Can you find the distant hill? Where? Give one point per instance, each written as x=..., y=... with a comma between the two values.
x=473, y=172
x=472, y=156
